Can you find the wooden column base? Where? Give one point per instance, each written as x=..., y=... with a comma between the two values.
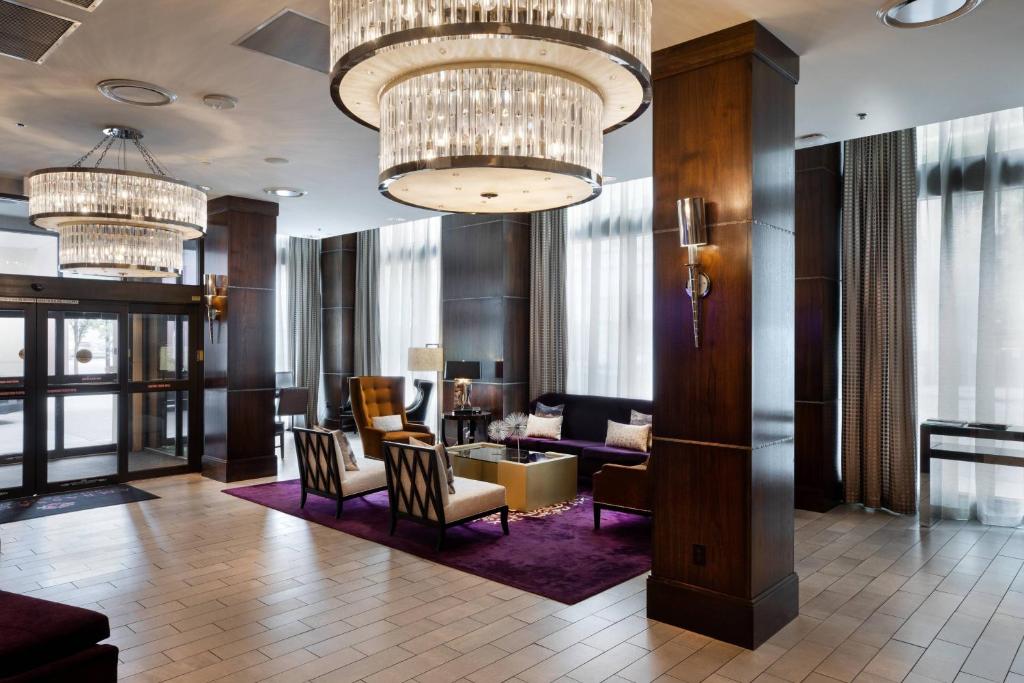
x=239, y=470
x=747, y=623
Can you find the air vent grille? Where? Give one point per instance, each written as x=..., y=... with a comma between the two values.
x=30, y=34
x=84, y=4
x=294, y=38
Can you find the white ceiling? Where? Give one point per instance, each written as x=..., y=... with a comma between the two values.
x=849, y=63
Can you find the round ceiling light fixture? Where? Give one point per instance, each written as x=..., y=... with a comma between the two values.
x=285, y=191
x=491, y=106
x=139, y=93
x=923, y=13
x=220, y=102
x=113, y=221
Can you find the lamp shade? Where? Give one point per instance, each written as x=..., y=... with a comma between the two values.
x=462, y=369
x=693, y=229
x=426, y=359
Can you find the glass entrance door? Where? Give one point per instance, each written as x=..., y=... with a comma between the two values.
x=16, y=398
x=95, y=393
x=84, y=382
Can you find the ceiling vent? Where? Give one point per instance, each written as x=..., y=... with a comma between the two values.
x=30, y=34
x=294, y=38
x=88, y=5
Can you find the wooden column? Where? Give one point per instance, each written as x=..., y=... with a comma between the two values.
x=239, y=372
x=723, y=420
x=485, y=305
x=338, y=286
x=818, y=204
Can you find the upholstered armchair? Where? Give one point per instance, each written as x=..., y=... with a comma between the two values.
x=322, y=470
x=376, y=397
x=624, y=488
x=418, y=491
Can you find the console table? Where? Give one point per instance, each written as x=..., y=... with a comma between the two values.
x=991, y=455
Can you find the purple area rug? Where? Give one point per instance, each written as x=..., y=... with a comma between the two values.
x=554, y=553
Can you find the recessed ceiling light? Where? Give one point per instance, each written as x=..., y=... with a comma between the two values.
x=922, y=13
x=127, y=91
x=276, y=160
x=285, y=191
x=204, y=188
x=220, y=102
x=19, y=124
x=610, y=179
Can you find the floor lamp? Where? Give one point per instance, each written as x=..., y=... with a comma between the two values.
x=430, y=358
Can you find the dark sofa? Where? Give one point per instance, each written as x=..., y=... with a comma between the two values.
x=47, y=641
x=584, y=426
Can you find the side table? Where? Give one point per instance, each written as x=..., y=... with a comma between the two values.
x=466, y=424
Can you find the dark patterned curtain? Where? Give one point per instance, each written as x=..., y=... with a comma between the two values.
x=547, y=303
x=366, y=343
x=879, y=430
x=304, y=332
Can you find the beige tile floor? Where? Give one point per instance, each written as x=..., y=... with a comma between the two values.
x=201, y=586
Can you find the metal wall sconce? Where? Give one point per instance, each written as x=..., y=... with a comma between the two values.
x=693, y=234
x=215, y=294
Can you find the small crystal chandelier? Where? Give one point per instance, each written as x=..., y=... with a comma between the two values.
x=491, y=106
x=112, y=221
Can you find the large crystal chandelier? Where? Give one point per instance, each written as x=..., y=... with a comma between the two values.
x=491, y=106
x=112, y=221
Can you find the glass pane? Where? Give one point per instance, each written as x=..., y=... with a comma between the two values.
x=154, y=431
x=155, y=346
x=81, y=436
x=12, y=440
x=89, y=345
x=12, y=347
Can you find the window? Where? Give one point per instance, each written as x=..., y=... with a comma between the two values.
x=609, y=292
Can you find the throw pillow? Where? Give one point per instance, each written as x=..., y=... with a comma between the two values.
x=388, y=423
x=638, y=418
x=549, y=411
x=544, y=427
x=629, y=437
x=443, y=457
x=341, y=447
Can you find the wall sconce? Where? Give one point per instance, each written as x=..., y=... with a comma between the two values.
x=693, y=234
x=215, y=294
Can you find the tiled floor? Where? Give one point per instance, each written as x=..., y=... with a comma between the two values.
x=201, y=586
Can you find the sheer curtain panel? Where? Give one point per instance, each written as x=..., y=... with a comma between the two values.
x=970, y=315
x=548, y=363
x=409, y=299
x=609, y=292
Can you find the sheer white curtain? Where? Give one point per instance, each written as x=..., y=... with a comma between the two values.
x=282, y=362
x=609, y=292
x=410, y=300
x=970, y=315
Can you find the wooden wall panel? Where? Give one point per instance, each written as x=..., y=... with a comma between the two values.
x=338, y=284
x=239, y=365
x=485, y=276
x=818, y=205
x=723, y=453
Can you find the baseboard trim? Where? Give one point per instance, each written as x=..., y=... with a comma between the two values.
x=228, y=471
x=743, y=622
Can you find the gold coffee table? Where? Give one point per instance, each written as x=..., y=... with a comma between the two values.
x=531, y=482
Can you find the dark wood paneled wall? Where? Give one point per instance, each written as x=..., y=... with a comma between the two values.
x=338, y=287
x=239, y=369
x=723, y=453
x=485, y=305
x=818, y=207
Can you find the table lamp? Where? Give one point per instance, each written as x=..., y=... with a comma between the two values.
x=462, y=373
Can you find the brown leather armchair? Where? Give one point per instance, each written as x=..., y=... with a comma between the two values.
x=378, y=396
x=622, y=488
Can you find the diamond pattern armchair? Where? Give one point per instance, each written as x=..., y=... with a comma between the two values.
x=322, y=471
x=376, y=397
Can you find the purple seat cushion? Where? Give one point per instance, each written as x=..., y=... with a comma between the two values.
x=34, y=632
x=612, y=454
x=570, y=446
